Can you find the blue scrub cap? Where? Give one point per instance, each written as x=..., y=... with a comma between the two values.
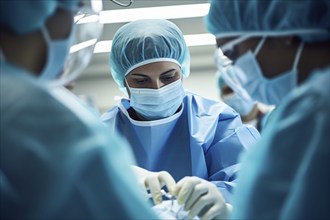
x=24, y=16
x=146, y=41
x=227, y=18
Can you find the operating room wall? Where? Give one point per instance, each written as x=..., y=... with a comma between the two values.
x=97, y=83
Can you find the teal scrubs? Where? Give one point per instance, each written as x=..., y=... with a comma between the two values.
x=286, y=175
x=58, y=161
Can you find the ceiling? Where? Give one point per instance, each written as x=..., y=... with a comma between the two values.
x=96, y=80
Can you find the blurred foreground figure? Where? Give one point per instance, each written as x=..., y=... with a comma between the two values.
x=273, y=46
x=57, y=160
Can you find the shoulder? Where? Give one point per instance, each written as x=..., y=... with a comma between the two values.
x=204, y=106
x=43, y=114
x=193, y=97
x=311, y=96
x=318, y=84
x=17, y=87
x=110, y=113
x=305, y=111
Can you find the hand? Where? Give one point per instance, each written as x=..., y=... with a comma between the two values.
x=201, y=198
x=154, y=181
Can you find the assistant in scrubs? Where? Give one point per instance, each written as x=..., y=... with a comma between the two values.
x=281, y=52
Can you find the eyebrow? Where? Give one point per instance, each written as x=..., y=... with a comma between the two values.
x=141, y=74
x=168, y=71
x=138, y=74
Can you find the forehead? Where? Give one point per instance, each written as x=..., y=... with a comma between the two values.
x=155, y=68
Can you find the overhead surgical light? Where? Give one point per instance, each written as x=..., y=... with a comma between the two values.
x=164, y=12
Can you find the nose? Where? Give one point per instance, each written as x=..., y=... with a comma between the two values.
x=156, y=84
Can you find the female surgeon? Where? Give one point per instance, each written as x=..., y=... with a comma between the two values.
x=175, y=135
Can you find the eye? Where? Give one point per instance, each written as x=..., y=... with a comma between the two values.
x=170, y=77
x=167, y=78
x=141, y=81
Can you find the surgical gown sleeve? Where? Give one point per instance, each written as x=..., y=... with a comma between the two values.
x=219, y=131
x=225, y=152
x=57, y=160
x=286, y=176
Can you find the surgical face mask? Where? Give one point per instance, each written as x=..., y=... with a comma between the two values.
x=243, y=107
x=154, y=104
x=268, y=91
x=57, y=52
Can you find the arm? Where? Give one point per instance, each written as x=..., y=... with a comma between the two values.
x=223, y=156
x=211, y=200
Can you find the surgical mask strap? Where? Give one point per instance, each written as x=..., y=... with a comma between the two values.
x=45, y=33
x=298, y=55
x=260, y=44
x=127, y=84
x=231, y=44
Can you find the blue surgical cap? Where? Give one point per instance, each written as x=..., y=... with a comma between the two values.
x=24, y=16
x=227, y=18
x=146, y=41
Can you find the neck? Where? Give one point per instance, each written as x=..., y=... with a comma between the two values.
x=313, y=56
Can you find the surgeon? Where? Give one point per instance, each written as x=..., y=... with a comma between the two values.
x=251, y=112
x=267, y=78
x=58, y=161
x=286, y=175
x=194, y=140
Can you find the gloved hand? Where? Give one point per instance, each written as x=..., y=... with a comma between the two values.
x=154, y=181
x=201, y=198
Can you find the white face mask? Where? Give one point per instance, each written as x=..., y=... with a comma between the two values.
x=243, y=107
x=268, y=91
x=155, y=104
x=57, y=52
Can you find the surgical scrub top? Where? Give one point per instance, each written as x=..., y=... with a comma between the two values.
x=204, y=139
x=58, y=161
x=287, y=174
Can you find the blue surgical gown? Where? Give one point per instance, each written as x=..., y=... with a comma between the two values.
x=58, y=161
x=286, y=175
x=204, y=139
